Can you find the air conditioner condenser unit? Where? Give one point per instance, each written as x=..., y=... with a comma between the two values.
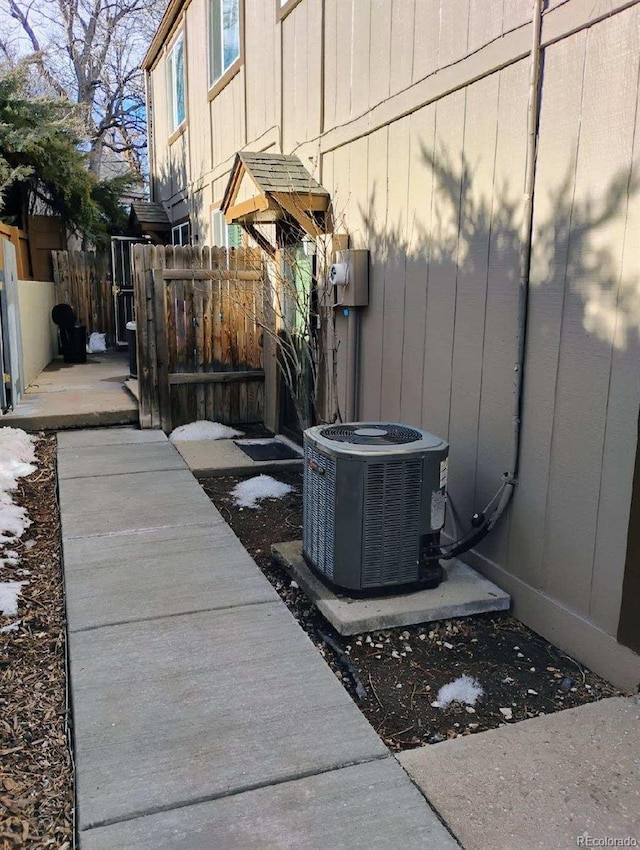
x=373, y=494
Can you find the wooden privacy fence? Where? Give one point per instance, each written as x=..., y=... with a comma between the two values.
x=199, y=339
x=82, y=280
x=20, y=241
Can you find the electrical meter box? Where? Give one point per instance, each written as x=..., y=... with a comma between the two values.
x=350, y=278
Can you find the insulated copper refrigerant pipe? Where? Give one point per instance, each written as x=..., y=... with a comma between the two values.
x=482, y=524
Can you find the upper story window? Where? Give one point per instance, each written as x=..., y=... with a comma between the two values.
x=224, y=37
x=176, y=84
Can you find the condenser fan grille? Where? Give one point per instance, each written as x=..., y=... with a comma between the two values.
x=371, y=434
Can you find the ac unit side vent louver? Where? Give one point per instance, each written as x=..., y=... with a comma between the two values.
x=391, y=523
x=319, y=509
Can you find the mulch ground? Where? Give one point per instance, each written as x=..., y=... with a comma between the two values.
x=395, y=675
x=36, y=789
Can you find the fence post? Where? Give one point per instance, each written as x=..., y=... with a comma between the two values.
x=143, y=320
x=162, y=349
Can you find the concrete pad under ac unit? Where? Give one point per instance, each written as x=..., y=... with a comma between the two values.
x=464, y=592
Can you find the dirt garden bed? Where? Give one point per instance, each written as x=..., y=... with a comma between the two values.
x=36, y=791
x=402, y=670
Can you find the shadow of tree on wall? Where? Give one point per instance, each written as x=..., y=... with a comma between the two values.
x=463, y=272
x=170, y=190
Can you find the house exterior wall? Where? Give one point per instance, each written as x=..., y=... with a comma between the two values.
x=36, y=299
x=412, y=114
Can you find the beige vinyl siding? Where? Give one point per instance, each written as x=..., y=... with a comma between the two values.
x=199, y=126
x=439, y=333
x=227, y=120
x=426, y=38
x=419, y=221
x=415, y=121
x=179, y=163
x=589, y=312
x=262, y=69
x=301, y=77
x=162, y=177
x=504, y=211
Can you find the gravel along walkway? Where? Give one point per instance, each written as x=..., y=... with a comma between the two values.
x=36, y=790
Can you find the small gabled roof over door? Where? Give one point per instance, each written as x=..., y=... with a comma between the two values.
x=266, y=187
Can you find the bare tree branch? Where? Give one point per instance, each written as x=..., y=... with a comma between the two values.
x=102, y=44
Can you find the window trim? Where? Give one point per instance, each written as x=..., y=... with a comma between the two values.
x=216, y=86
x=177, y=129
x=213, y=209
x=283, y=9
x=178, y=225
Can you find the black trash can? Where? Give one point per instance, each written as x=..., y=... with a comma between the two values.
x=72, y=335
x=133, y=350
x=75, y=350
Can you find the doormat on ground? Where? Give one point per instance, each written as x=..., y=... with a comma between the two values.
x=267, y=450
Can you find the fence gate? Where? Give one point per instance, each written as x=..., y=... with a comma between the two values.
x=82, y=280
x=199, y=317
x=123, y=296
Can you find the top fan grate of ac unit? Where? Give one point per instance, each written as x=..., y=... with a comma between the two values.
x=371, y=434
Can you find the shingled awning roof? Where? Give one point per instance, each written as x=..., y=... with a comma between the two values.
x=146, y=216
x=264, y=187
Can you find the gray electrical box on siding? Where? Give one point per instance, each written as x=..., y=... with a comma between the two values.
x=356, y=292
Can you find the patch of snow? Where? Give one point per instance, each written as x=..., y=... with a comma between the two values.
x=248, y=493
x=9, y=593
x=465, y=690
x=507, y=713
x=204, y=430
x=13, y=521
x=12, y=627
x=97, y=343
x=17, y=456
x=9, y=558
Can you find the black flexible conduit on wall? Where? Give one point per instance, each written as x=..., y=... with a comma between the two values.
x=484, y=521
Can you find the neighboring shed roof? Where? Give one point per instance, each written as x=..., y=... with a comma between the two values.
x=147, y=214
x=280, y=185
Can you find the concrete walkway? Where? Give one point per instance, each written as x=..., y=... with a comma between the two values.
x=548, y=782
x=77, y=395
x=204, y=717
